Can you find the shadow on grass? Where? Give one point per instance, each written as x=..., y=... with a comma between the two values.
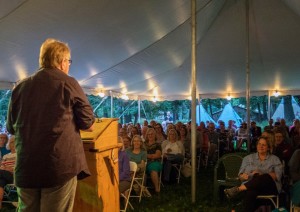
x=177, y=197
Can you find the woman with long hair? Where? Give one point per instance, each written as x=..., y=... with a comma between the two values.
x=153, y=158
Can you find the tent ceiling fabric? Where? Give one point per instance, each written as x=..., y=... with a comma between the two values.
x=143, y=48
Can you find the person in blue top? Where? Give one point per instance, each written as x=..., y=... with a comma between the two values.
x=260, y=174
x=137, y=153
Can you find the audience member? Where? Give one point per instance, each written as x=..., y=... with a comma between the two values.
x=294, y=170
x=137, y=153
x=124, y=168
x=242, y=135
x=173, y=153
x=7, y=168
x=160, y=134
x=282, y=149
x=3, y=142
x=126, y=142
x=213, y=138
x=153, y=158
x=269, y=126
x=255, y=133
x=260, y=173
x=295, y=134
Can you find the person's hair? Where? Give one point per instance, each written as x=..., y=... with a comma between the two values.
x=52, y=53
x=6, y=137
x=148, y=131
x=270, y=137
x=268, y=142
x=185, y=129
x=141, y=141
x=120, y=140
x=176, y=134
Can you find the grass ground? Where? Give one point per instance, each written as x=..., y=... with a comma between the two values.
x=177, y=197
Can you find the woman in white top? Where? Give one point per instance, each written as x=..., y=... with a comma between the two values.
x=173, y=153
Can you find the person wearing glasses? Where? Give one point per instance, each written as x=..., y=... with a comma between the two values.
x=260, y=174
x=46, y=112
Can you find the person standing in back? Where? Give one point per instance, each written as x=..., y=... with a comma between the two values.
x=45, y=113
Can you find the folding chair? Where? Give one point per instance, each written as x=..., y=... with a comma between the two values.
x=10, y=195
x=126, y=194
x=139, y=182
x=273, y=198
x=177, y=167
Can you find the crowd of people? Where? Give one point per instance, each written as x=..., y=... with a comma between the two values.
x=271, y=147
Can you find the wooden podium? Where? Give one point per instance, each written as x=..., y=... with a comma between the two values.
x=100, y=191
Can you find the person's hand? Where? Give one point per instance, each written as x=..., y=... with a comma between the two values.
x=169, y=150
x=244, y=177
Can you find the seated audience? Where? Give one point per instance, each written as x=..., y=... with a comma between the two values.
x=282, y=149
x=124, y=169
x=295, y=134
x=223, y=138
x=173, y=153
x=270, y=136
x=255, y=133
x=242, y=135
x=126, y=142
x=270, y=126
x=3, y=142
x=7, y=168
x=160, y=134
x=294, y=170
x=137, y=154
x=260, y=173
x=153, y=158
x=213, y=138
x=185, y=139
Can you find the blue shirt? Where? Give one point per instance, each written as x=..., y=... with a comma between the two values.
x=270, y=164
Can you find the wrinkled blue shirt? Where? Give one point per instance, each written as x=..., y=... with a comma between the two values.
x=270, y=164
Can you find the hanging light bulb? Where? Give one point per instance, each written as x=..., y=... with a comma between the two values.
x=276, y=93
x=125, y=97
x=101, y=94
x=228, y=97
x=154, y=99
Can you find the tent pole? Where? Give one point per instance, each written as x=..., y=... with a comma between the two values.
x=247, y=75
x=139, y=109
x=269, y=105
x=193, y=94
x=111, y=104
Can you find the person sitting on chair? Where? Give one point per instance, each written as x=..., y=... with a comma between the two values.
x=260, y=173
x=137, y=153
x=7, y=167
x=124, y=169
x=173, y=153
x=294, y=170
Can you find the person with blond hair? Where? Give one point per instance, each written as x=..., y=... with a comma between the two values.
x=46, y=113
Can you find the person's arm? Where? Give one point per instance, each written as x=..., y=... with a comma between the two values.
x=156, y=155
x=294, y=166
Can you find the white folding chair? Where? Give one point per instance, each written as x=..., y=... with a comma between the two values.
x=139, y=182
x=126, y=194
x=178, y=170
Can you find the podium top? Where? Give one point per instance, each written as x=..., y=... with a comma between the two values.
x=99, y=127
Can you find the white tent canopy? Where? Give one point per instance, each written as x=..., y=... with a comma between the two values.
x=142, y=48
x=229, y=113
x=202, y=115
